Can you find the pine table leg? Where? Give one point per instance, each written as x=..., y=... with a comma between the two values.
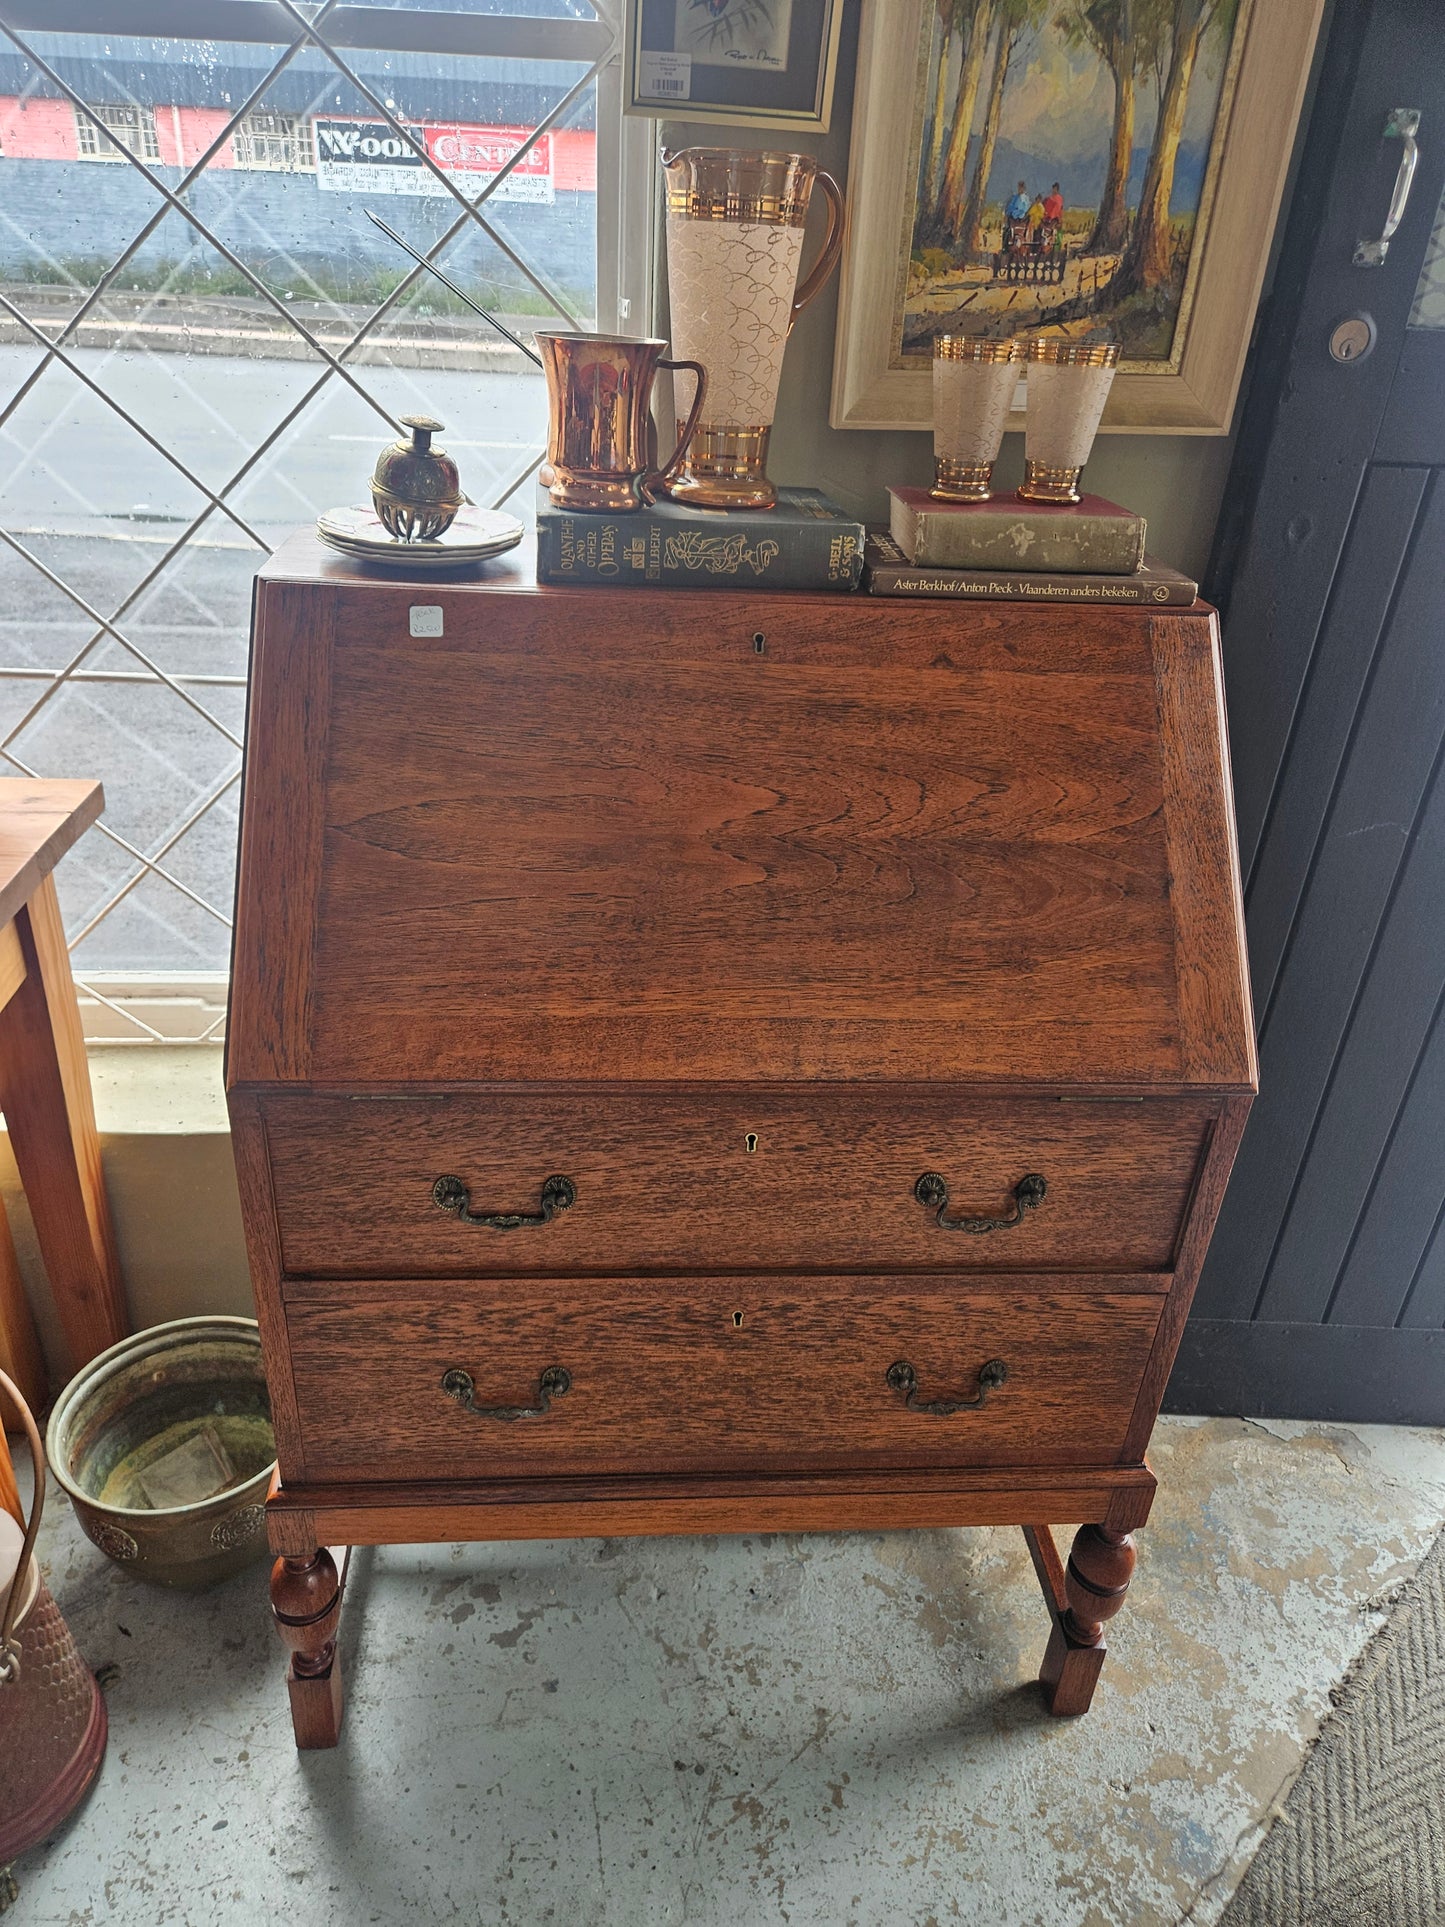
x=49, y=1112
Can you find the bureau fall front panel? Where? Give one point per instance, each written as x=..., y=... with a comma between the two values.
x=614, y=838
x=399, y=1381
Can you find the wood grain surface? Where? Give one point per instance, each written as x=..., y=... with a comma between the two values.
x=423, y=1513
x=269, y=1020
x=597, y=838
x=729, y=1181
x=681, y=1376
x=40, y=818
x=50, y=1114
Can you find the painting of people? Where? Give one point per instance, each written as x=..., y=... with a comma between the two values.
x=1067, y=151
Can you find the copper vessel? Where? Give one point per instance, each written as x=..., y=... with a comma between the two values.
x=416, y=488
x=190, y=1383
x=52, y=1717
x=600, y=435
x=734, y=245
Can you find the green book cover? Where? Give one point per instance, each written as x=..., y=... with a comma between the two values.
x=804, y=542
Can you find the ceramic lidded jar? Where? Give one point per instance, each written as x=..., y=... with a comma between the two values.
x=734, y=243
x=416, y=488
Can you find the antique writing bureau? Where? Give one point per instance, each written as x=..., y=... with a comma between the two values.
x=710, y=1062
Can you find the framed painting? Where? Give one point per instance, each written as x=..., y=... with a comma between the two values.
x=760, y=63
x=1104, y=169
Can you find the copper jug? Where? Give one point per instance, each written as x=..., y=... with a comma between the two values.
x=600, y=434
x=52, y=1717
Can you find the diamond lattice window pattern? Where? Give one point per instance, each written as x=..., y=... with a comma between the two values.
x=205, y=344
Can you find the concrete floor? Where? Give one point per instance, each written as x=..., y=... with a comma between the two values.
x=730, y=1732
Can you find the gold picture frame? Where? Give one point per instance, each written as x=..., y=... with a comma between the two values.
x=777, y=69
x=1183, y=357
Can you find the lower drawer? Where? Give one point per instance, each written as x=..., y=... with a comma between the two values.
x=504, y=1378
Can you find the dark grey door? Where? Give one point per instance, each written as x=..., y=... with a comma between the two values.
x=1324, y=1292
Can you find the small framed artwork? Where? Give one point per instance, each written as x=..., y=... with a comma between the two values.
x=757, y=63
x=1082, y=171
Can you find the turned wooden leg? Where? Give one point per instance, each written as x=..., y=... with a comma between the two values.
x=45, y=1094
x=1081, y=1598
x=306, y=1604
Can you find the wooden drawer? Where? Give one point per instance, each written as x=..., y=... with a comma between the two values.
x=728, y=1374
x=671, y=1184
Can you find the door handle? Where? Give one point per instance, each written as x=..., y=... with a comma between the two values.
x=1403, y=124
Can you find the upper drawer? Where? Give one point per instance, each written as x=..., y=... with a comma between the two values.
x=733, y=1181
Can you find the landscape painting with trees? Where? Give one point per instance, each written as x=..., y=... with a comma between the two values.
x=1066, y=157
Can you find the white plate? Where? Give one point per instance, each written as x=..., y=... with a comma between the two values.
x=475, y=535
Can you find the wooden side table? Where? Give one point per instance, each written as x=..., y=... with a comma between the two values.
x=45, y=1091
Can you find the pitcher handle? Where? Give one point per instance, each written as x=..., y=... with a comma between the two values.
x=9, y=1645
x=660, y=477
x=832, y=248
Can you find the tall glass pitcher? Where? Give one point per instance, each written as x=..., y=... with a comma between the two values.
x=734, y=242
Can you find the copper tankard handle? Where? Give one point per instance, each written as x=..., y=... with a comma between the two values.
x=832, y=247
x=660, y=477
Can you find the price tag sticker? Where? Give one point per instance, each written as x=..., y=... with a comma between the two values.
x=663, y=76
x=426, y=619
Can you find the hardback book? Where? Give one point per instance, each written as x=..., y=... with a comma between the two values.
x=888, y=571
x=805, y=542
x=1090, y=537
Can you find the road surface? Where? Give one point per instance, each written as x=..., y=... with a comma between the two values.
x=85, y=495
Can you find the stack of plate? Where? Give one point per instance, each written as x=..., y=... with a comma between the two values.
x=475, y=535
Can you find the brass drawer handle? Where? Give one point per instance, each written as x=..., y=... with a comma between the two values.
x=555, y=1382
x=452, y=1196
x=903, y=1379
x=931, y=1192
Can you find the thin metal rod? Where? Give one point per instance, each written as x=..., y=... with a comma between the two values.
x=117, y=676
x=452, y=288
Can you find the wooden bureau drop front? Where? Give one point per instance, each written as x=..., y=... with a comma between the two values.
x=709, y=1062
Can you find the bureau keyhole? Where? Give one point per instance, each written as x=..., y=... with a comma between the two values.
x=737, y=1321
x=760, y=644
x=750, y=1142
